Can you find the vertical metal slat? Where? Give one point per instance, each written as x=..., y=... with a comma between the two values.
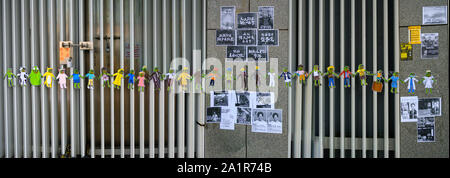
x=321, y=67
x=386, y=73
x=332, y=40
x=397, y=69
x=91, y=94
x=375, y=99
x=364, y=91
x=132, y=151
x=111, y=63
x=353, y=41
x=342, y=64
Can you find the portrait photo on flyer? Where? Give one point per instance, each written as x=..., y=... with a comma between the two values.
x=409, y=108
x=227, y=17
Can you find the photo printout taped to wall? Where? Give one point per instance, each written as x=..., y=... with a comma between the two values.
x=430, y=45
x=225, y=37
x=244, y=116
x=220, y=98
x=268, y=37
x=237, y=52
x=275, y=121
x=227, y=17
x=259, y=120
x=257, y=53
x=265, y=17
x=429, y=107
x=247, y=20
x=426, y=129
x=241, y=99
x=264, y=100
x=434, y=15
x=228, y=118
x=245, y=37
x=213, y=114
x=409, y=108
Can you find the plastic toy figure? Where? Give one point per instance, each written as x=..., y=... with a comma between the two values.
x=91, y=77
x=411, y=81
x=331, y=74
x=142, y=81
x=380, y=76
x=347, y=75
x=256, y=77
x=170, y=77
x=156, y=76
x=244, y=76
x=10, y=76
x=316, y=73
x=105, y=77
x=271, y=76
x=213, y=76
x=362, y=75
x=287, y=77
x=377, y=85
x=301, y=74
x=118, y=80
x=131, y=78
x=35, y=76
x=184, y=77
x=48, y=76
x=62, y=78
x=229, y=76
x=428, y=81
x=394, y=84
x=76, y=78
x=22, y=76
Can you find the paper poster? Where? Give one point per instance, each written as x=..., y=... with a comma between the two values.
x=227, y=16
x=434, y=15
x=414, y=34
x=265, y=17
x=244, y=116
x=247, y=20
x=237, y=52
x=241, y=99
x=228, y=118
x=426, y=129
x=220, y=99
x=64, y=55
x=257, y=53
x=225, y=37
x=259, y=121
x=409, y=108
x=429, y=107
x=275, y=122
x=268, y=37
x=264, y=100
x=213, y=114
x=430, y=45
x=406, y=52
x=245, y=37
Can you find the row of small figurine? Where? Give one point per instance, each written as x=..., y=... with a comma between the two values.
x=302, y=75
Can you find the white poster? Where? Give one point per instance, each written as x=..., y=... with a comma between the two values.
x=275, y=121
x=228, y=118
x=227, y=16
x=259, y=121
x=433, y=15
x=426, y=129
x=430, y=46
x=430, y=107
x=264, y=100
x=409, y=107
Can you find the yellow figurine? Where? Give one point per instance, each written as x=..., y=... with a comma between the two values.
x=184, y=77
x=48, y=77
x=118, y=80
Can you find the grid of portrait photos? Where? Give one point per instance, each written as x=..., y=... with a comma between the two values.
x=423, y=111
x=245, y=108
x=248, y=35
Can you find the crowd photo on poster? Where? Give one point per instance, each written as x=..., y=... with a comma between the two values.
x=426, y=129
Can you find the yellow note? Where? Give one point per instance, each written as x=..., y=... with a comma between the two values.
x=414, y=34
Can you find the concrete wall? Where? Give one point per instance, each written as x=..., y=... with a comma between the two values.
x=411, y=15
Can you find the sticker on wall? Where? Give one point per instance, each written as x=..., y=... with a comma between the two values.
x=247, y=20
x=268, y=37
x=265, y=17
x=236, y=52
x=409, y=107
x=225, y=37
x=227, y=16
x=430, y=45
x=414, y=34
x=246, y=37
x=429, y=107
x=426, y=129
x=406, y=52
x=434, y=15
x=257, y=53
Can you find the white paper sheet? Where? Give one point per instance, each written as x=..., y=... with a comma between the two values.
x=228, y=118
x=409, y=108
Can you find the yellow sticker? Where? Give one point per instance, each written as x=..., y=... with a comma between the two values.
x=414, y=34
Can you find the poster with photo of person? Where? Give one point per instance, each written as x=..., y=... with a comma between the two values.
x=409, y=108
x=426, y=129
x=259, y=121
x=220, y=98
x=227, y=17
x=430, y=45
x=430, y=107
x=434, y=15
x=213, y=114
x=275, y=121
x=228, y=118
x=241, y=99
x=244, y=116
x=264, y=100
x=266, y=17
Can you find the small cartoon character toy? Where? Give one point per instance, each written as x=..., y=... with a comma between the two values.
x=229, y=76
x=131, y=78
x=62, y=78
x=362, y=74
x=142, y=81
x=256, y=77
x=244, y=77
x=76, y=77
x=331, y=74
x=23, y=76
x=118, y=80
x=10, y=76
x=170, y=77
x=35, y=76
x=91, y=77
x=411, y=81
x=184, y=77
x=287, y=77
x=213, y=76
x=316, y=73
x=428, y=81
x=301, y=74
x=347, y=76
x=394, y=84
x=271, y=74
x=380, y=76
x=156, y=76
x=105, y=77
x=48, y=78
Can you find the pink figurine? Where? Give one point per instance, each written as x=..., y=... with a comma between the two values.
x=62, y=78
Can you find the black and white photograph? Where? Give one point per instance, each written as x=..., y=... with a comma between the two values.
x=227, y=17
x=220, y=99
x=275, y=121
x=426, y=129
x=244, y=116
x=245, y=37
x=265, y=17
x=409, y=108
x=236, y=53
x=264, y=100
x=259, y=120
x=213, y=114
x=430, y=45
x=257, y=53
x=228, y=118
x=434, y=15
x=267, y=37
x=247, y=20
x=429, y=107
x=225, y=37
x=242, y=99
